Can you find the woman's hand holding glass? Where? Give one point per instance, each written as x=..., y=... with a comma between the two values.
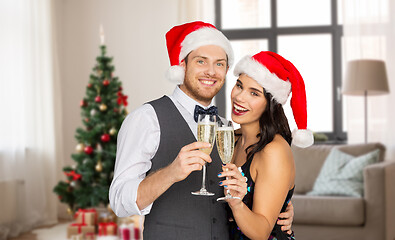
x=234, y=183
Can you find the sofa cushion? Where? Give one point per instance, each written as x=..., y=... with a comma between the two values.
x=336, y=211
x=342, y=174
x=308, y=162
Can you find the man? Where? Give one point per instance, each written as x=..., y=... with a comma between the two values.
x=157, y=163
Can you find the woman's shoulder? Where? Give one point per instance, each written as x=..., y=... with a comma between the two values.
x=278, y=148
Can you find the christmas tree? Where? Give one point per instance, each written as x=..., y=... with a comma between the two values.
x=102, y=111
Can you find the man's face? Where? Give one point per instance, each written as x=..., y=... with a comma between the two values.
x=204, y=73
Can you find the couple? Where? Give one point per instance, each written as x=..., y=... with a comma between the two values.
x=158, y=160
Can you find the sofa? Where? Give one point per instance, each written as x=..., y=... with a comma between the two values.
x=342, y=217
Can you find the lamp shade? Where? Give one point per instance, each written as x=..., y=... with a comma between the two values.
x=365, y=76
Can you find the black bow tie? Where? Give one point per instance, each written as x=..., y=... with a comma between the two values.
x=199, y=110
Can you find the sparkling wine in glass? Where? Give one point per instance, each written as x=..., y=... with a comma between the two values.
x=225, y=145
x=205, y=133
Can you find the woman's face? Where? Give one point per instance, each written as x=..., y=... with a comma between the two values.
x=248, y=100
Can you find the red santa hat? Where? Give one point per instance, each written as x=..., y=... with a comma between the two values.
x=182, y=39
x=279, y=77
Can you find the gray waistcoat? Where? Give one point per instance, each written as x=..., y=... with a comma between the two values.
x=177, y=214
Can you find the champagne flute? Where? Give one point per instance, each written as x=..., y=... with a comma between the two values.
x=205, y=133
x=225, y=145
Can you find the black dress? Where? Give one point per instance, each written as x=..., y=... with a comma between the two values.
x=234, y=230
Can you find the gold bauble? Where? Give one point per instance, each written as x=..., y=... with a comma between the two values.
x=103, y=107
x=80, y=147
x=113, y=131
x=99, y=166
x=69, y=211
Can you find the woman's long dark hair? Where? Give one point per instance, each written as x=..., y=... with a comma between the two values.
x=272, y=121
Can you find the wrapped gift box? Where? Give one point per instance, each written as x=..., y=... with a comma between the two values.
x=129, y=232
x=79, y=228
x=106, y=229
x=77, y=237
x=86, y=216
x=90, y=236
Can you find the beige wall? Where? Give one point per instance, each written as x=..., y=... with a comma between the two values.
x=134, y=35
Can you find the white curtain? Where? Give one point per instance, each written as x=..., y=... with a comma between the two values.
x=29, y=106
x=196, y=10
x=369, y=33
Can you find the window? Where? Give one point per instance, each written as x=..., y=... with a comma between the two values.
x=307, y=32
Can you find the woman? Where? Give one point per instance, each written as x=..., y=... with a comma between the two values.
x=262, y=148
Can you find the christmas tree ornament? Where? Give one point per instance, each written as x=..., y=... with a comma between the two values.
x=98, y=99
x=89, y=85
x=99, y=148
x=69, y=211
x=99, y=166
x=83, y=103
x=93, y=112
x=88, y=150
x=86, y=120
x=106, y=82
x=103, y=107
x=113, y=131
x=122, y=99
x=80, y=147
x=73, y=184
x=105, y=137
x=116, y=110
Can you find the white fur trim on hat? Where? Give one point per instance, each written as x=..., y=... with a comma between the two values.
x=175, y=74
x=279, y=88
x=206, y=36
x=302, y=138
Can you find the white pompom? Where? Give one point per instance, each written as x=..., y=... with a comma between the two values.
x=302, y=138
x=176, y=74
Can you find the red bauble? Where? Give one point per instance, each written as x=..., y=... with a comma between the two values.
x=105, y=137
x=106, y=83
x=86, y=119
x=120, y=88
x=83, y=103
x=89, y=85
x=88, y=150
x=98, y=99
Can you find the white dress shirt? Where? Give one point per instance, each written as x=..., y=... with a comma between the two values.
x=137, y=143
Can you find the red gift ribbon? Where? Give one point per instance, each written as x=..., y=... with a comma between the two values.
x=79, y=225
x=125, y=233
x=103, y=228
x=136, y=233
x=83, y=211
